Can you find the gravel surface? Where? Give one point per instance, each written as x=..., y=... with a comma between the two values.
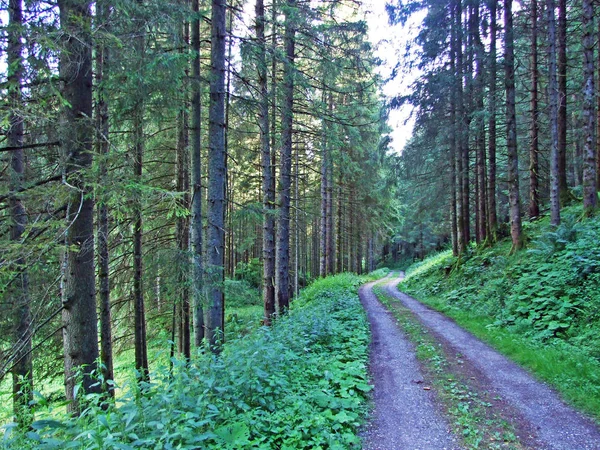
x=558, y=426
x=406, y=416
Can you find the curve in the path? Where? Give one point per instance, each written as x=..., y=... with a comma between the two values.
x=559, y=426
x=405, y=415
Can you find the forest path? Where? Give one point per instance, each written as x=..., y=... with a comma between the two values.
x=534, y=408
x=406, y=416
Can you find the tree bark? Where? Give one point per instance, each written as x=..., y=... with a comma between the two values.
x=511, y=129
x=197, y=179
x=453, y=140
x=590, y=197
x=80, y=329
x=141, y=344
x=554, y=101
x=22, y=371
x=482, y=218
x=283, y=230
x=183, y=223
x=562, y=100
x=491, y=191
x=217, y=178
x=329, y=212
x=339, y=234
x=324, y=200
x=534, y=184
x=268, y=237
x=102, y=145
x=598, y=117
x=462, y=233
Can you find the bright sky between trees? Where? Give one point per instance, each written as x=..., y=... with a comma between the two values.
x=390, y=43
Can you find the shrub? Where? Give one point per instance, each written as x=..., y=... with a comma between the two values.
x=301, y=384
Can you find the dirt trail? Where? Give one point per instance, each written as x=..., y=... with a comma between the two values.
x=556, y=426
x=405, y=416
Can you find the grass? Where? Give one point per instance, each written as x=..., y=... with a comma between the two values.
x=474, y=420
x=569, y=370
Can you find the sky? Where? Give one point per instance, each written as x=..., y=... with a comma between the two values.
x=390, y=43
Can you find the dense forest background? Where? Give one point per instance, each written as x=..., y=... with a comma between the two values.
x=165, y=161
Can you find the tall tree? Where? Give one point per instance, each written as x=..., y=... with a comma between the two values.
x=196, y=218
x=182, y=234
x=511, y=128
x=562, y=100
x=268, y=193
x=102, y=148
x=461, y=135
x=481, y=179
x=141, y=345
x=534, y=184
x=217, y=178
x=491, y=192
x=590, y=197
x=283, y=229
x=324, y=192
x=22, y=370
x=80, y=330
x=554, y=101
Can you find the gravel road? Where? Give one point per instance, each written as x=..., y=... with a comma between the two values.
x=405, y=416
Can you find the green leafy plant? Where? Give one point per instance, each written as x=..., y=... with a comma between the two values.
x=301, y=384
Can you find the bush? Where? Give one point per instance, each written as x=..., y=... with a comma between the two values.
x=250, y=272
x=301, y=384
x=550, y=291
x=241, y=293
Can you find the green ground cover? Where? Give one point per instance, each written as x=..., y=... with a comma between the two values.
x=301, y=384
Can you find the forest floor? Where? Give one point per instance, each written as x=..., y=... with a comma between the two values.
x=462, y=394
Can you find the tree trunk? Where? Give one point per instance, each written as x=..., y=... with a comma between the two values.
x=268, y=240
x=453, y=132
x=466, y=70
x=554, y=101
x=562, y=101
x=482, y=226
x=283, y=230
x=102, y=142
x=141, y=344
x=22, y=371
x=339, y=236
x=324, y=200
x=491, y=191
x=534, y=184
x=197, y=180
x=590, y=198
x=329, y=212
x=183, y=223
x=511, y=129
x=217, y=178
x=598, y=117
x=462, y=233
x=80, y=324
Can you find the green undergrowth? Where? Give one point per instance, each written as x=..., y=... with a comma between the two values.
x=540, y=306
x=301, y=384
x=474, y=420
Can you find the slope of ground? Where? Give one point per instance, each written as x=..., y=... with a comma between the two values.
x=536, y=409
x=540, y=306
x=299, y=384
